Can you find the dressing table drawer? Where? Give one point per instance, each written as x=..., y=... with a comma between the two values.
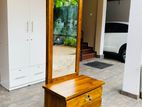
x=89, y=99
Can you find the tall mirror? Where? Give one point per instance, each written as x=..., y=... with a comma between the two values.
x=64, y=37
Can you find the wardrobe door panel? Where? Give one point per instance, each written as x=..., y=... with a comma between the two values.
x=38, y=32
x=18, y=30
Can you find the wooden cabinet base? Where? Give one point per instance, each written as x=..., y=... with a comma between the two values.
x=82, y=91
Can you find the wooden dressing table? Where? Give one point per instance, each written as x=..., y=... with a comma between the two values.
x=69, y=90
x=81, y=91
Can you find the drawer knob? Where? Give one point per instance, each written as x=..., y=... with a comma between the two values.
x=88, y=98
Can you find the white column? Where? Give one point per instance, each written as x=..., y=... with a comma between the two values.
x=131, y=80
x=100, y=29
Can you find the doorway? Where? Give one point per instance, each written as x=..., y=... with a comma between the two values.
x=89, y=29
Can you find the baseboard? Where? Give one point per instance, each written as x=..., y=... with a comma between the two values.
x=100, y=56
x=141, y=95
x=129, y=94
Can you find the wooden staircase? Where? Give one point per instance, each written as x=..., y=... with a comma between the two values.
x=87, y=52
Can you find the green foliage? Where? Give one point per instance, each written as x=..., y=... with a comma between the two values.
x=73, y=42
x=67, y=42
x=70, y=41
x=74, y=2
x=61, y=3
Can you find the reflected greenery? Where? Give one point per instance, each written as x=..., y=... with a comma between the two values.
x=61, y=3
x=70, y=41
x=65, y=22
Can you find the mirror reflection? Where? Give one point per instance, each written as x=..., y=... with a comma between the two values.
x=65, y=37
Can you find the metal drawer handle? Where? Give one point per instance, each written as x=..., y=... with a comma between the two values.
x=27, y=27
x=20, y=77
x=39, y=73
x=32, y=26
x=88, y=98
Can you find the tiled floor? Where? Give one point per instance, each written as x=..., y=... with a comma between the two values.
x=32, y=96
x=66, y=62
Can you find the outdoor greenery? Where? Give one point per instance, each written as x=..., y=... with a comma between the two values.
x=61, y=3
x=65, y=21
x=70, y=41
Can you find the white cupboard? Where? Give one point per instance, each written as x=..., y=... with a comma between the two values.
x=22, y=42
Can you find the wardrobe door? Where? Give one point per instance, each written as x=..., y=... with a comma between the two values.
x=18, y=30
x=38, y=32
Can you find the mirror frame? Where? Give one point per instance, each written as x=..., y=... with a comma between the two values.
x=49, y=42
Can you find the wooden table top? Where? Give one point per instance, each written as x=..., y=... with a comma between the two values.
x=74, y=87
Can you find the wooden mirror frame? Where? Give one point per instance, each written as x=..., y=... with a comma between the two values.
x=49, y=42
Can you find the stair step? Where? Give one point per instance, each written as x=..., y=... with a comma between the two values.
x=85, y=51
x=88, y=56
x=84, y=44
x=87, y=48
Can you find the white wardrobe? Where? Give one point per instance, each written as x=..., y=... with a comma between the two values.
x=22, y=42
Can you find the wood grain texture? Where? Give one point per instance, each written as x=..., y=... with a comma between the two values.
x=64, y=78
x=86, y=99
x=74, y=87
x=80, y=11
x=81, y=91
x=70, y=90
x=49, y=40
x=54, y=101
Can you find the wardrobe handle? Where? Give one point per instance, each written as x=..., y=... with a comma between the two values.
x=32, y=26
x=27, y=27
x=20, y=77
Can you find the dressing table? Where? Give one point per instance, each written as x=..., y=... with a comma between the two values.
x=64, y=86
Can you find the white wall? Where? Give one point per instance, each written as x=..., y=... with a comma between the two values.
x=131, y=82
x=141, y=60
x=100, y=29
x=118, y=11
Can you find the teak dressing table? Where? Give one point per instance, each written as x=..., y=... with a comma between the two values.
x=64, y=86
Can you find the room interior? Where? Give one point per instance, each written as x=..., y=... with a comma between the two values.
x=54, y=56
